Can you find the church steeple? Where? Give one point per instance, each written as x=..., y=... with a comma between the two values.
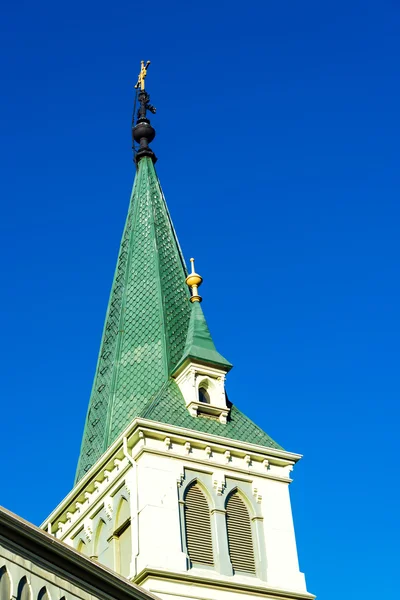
x=176, y=489
x=151, y=327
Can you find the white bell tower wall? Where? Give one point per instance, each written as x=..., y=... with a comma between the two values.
x=149, y=471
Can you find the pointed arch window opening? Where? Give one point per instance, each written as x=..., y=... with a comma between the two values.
x=101, y=544
x=204, y=396
x=82, y=547
x=198, y=534
x=240, y=535
x=5, y=584
x=123, y=539
x=43, y=594
x=24, y=590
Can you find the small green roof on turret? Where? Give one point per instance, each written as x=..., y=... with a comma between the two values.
x=199, y=343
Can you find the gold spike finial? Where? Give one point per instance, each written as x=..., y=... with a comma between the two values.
x=142, y=74
x=194, y=280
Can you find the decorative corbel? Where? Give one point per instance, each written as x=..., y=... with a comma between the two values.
x=180, y=479
x=88, y=531
x=219, y=484
x=108, y=507
x=117, y=464
x=60, y=527
x=256, y=495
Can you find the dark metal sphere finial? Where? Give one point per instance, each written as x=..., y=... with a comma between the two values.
x=143, y=133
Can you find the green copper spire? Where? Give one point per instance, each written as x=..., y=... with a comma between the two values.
x=151, y=327
x=146, y=322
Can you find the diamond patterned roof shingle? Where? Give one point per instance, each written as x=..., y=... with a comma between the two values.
x=145, y=333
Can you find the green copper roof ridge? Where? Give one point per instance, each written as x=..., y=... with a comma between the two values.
x=160, y=294
x=149, y=276
x=156, y=397
x=181, y=256
x=144, y=162
x=199, y=343
x=105, y=325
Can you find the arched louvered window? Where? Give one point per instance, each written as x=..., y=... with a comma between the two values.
x=240, y=539
x=198, y=526
x=24, y=591
x=5, y=584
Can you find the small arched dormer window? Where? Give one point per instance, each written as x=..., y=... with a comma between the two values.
x=24, y=591
x=240, y=539
x=204, y=396
x=5, y=584
x=198, y=527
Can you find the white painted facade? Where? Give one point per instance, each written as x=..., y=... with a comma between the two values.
x=144, y=475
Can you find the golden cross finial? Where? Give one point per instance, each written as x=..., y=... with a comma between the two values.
x=142, y=74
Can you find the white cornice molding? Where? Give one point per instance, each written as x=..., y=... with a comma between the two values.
x=246, y=588
x=137, y=427
x=199, y=461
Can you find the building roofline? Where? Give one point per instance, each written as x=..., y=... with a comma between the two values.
x=67, y=562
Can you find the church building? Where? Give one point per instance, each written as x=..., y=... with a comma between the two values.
x=178, y=495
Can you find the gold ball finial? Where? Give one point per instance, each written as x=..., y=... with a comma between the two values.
x=194, y=280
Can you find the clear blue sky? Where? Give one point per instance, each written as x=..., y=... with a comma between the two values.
x=278, y=141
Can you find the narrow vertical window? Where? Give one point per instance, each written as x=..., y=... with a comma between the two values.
x=5, y=584
x=24, y=591
x=123, y=538
x=198, y=527
x=240, y=539
x=204, y=396
x=101, y=544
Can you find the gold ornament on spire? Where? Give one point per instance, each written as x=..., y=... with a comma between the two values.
x=194, y=280
x=142, y=75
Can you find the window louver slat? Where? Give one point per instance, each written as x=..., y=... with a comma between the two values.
x=198, y=527
x=240, y=539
